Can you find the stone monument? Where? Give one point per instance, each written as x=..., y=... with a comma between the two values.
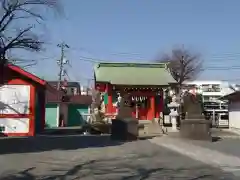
x=97, y=123
x=174, y=106
x=125, y=127
x=194, y=126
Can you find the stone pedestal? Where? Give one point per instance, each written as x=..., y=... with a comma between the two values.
x=174, y=123
x=124, y=129
x=196, y=129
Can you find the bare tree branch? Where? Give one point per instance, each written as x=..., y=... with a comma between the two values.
x=12, y=12
x=183, y=64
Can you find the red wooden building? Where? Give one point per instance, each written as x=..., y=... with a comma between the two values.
x=145, y=83
x=22, y=102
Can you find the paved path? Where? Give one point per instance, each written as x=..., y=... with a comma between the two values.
x=88, y=158
x=228, y=146
x=196, y=150
x=225, y=133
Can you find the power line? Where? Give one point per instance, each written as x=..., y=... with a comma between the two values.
x=94, y=60
x=225, y=57
x=87, y=50
x=221, y=68
x=222, y=56
x=214, y=68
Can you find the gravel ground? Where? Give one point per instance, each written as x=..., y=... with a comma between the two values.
x=96, y=157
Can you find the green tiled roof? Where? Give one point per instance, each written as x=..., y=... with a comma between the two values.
x=133, y=74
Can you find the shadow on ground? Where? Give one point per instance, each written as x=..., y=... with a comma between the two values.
x=50, y=142
x=122, y=170
x=216, y=139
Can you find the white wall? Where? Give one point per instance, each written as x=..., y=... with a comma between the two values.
x=234, y=115
x=15, y=125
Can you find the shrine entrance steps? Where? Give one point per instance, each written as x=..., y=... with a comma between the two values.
x=149, y=128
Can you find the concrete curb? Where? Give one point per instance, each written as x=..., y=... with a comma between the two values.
x=226, y=134
x=222, y=137
x=229, y=137
x=219, y=136
x=237, y=132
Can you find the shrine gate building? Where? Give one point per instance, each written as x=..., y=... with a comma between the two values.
x=144, y=82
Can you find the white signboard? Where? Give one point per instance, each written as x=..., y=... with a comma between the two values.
x=14, y=99
x=14, y=125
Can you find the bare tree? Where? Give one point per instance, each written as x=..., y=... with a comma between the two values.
x=183, y=64
x=18, y=20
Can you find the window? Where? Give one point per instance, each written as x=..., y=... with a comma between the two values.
x=75, y=91
x=211, y=98
x=205, y=88
x=211, y=88
x=211, y=105
x=205, y=98
x=216, y=88
x=2, y=128
x=214, y=98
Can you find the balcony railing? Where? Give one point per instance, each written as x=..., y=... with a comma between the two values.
x=211, y=89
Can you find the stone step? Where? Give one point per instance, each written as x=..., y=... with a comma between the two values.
x=150, y=128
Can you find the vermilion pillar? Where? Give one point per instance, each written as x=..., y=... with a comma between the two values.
x=157, y=105
x=152, y=102
x=151, y=111
x=109, y=92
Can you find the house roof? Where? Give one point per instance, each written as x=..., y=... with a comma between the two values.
x=233, y=96
x=69, y=84
x=81, y=99
x=77, y=99
x=55, y=96
x=133, y=74
x=26, y=74
x=54, y=84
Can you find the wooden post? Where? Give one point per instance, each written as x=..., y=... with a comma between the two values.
x=152, y=102
x=109, y=92
x=151, y=110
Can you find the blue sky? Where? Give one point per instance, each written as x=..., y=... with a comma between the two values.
x=134, y=30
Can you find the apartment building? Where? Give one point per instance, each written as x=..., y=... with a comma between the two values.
x=211, y=90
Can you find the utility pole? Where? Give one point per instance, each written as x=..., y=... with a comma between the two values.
x=61, y=63
x=180, y=89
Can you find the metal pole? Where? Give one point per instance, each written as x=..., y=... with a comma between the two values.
x=180, y=92
x=214, y=117
x=61, y=68
x=61, y=63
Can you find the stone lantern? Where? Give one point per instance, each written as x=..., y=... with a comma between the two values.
x=174, y=107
